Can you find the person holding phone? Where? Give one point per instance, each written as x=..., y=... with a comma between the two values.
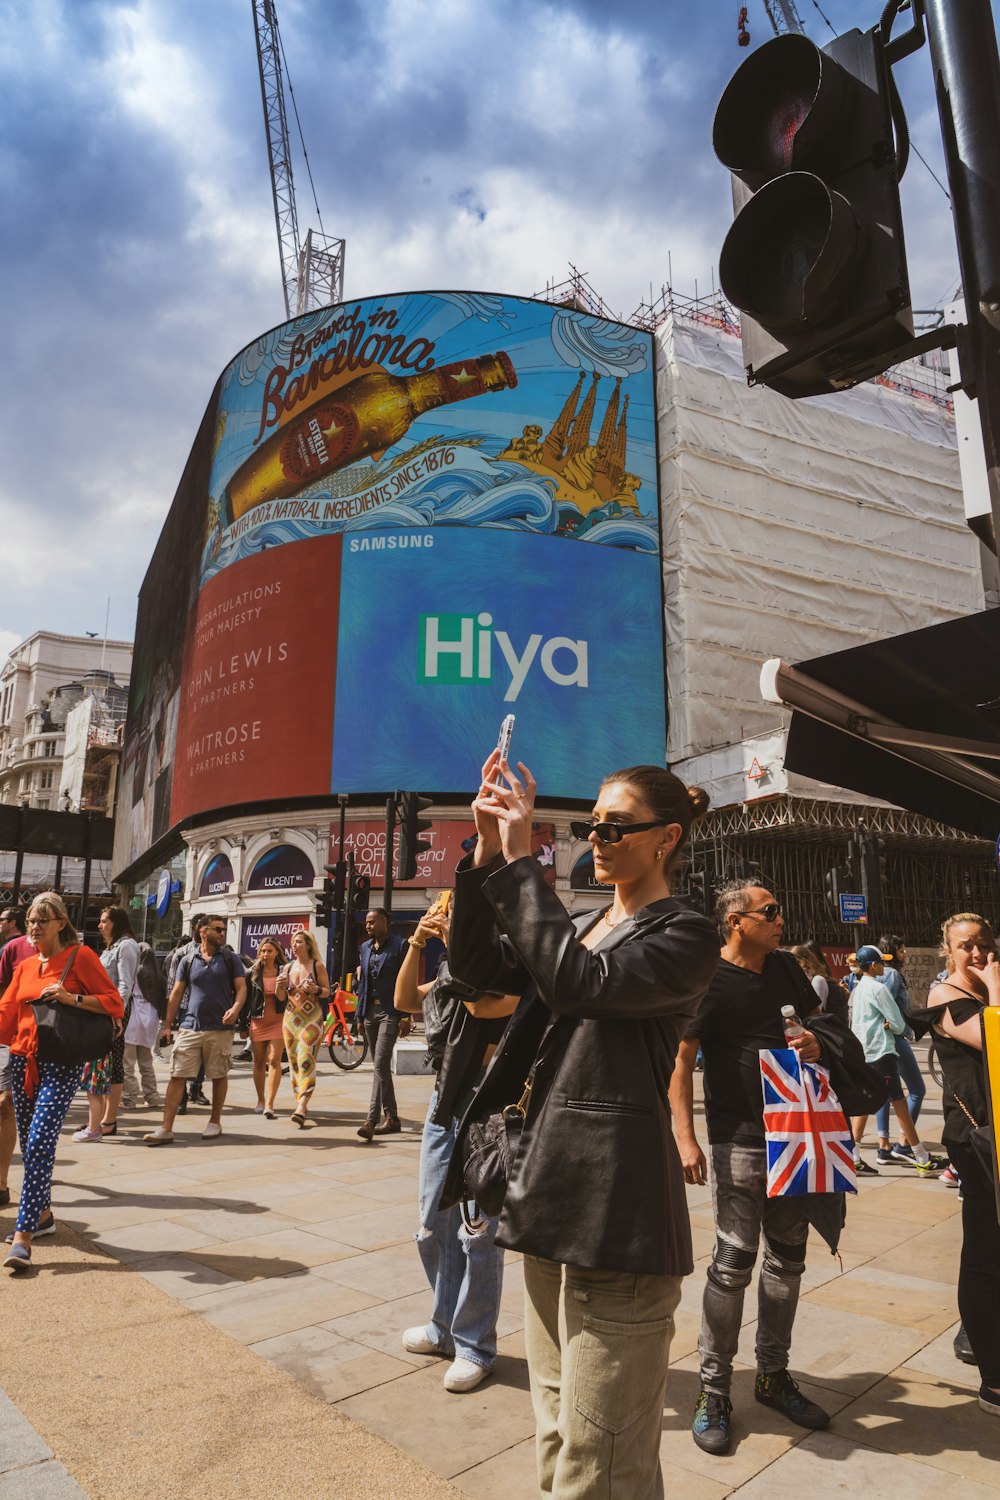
x=596, y=1198
x=63, y=972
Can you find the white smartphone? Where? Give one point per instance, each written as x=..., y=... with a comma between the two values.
x=506, y=735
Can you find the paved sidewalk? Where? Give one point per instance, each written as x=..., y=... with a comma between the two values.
x=298, y=1247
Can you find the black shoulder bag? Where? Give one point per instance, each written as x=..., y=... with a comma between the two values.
x=68, y=1034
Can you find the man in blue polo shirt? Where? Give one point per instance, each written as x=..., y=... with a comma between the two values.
x=212, y=981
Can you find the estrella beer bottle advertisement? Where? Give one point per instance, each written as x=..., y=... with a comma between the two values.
x=405, y=518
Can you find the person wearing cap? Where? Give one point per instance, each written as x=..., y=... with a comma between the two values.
x=876, y=1021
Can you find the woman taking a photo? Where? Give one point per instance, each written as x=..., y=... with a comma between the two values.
x=304, y=985
x=954, y=1014
x=596, y=1197
x=265, y=1012
x=103, y=1080
x=65, y=973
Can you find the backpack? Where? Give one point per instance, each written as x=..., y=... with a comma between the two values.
x=150, y=979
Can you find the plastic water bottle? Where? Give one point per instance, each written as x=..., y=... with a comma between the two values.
x=793, y=1027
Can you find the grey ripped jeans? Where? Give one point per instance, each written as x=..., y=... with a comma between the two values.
x=742, y=1209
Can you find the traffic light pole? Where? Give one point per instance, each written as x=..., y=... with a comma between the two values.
x=390, y=855
x=963, y=46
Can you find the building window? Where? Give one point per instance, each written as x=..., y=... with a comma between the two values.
x=42, y=802
x=50, y=747
x=45, y=781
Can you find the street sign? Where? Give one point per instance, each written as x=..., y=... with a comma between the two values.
x=853, y=908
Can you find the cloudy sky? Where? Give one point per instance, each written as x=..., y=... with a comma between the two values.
x=455, y=143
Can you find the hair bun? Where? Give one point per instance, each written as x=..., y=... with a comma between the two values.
x=700, y=800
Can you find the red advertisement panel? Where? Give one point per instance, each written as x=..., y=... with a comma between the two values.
x=257, y=706
x=450, y=842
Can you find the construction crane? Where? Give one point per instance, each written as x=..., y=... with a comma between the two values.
x=312, y=270
x=782, y=15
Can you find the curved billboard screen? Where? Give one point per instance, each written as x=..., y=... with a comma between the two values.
x=403, y=519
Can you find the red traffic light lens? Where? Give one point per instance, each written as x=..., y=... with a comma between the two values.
x=790, y=256
x=780, y=111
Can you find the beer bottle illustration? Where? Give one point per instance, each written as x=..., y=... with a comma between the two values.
x=367, y=415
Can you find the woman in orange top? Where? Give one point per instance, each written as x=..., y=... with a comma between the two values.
x=43, y=1091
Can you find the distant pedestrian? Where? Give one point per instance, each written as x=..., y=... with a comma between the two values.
x=263, y=1013
x=831, y=998
x=15, y=947
x=893, y=950
x=142, y=1033
x=103, y=1080
x=876, y=1021
x=211, y=985
x=382, y=956
x=63, y=972
x=304, y=985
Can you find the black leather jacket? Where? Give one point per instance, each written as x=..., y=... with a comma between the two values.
x=253, y=1006
x=597, y=1181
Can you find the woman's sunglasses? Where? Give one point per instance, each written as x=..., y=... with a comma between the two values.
x=610, y=833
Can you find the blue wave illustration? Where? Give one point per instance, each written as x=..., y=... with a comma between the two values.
x=505, y=497
x=595, y=344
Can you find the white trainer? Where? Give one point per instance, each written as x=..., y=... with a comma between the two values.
x=415, y=1341
x=211, y=1131
x=464, y=1375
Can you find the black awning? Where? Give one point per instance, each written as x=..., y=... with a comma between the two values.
x=913, y=720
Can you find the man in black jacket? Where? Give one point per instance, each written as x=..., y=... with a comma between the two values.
x=740, y=1014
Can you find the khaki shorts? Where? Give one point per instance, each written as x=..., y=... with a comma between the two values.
x=192, y=1048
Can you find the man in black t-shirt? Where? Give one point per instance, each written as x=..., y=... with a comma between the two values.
x=740, y=1014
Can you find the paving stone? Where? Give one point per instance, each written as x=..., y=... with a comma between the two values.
x=827, y=1464
x=20, y=1444
x=47, y=1481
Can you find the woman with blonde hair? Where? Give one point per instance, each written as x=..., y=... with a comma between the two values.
x=304, y=985
x=954, y=1013
x=61, y=972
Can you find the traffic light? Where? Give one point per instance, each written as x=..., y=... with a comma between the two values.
x=339, y=875
x=814, y=259
x=697, y=889
x=411, y=826
x=362, y=887
x=833, y=885
x=327, y=903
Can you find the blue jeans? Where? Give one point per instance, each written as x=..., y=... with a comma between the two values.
x=913, y=1082
x=465, y=1270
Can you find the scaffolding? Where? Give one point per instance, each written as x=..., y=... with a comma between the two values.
x=792, y=843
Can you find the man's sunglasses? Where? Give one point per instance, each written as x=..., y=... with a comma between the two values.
x=610, y=833
x=771, y=912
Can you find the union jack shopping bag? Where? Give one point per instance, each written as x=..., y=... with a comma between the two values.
x=809, y=1148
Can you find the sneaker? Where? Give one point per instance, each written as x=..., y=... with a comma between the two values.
x=465, y=1375
x=47, y=1226
x=19, y=1259
x=258, y=1109
x=158, y=1137
x=883, y=1156
x=710, y=1427
x=198, y=1097
x=269, y=1114
x=862, y=1169
x=962, y=1348
x=902, y=1152
x=779, y=1390
x=949, y=1177
x=415, y=1341
x=87, y=1135
x=932, y=1167
x=211, y=1131
x=989, y=1400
